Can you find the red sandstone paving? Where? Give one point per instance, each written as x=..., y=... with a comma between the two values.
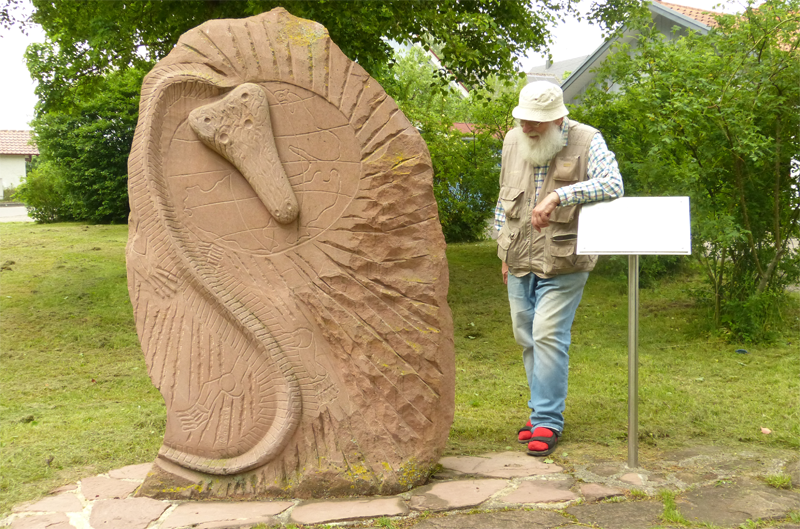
x=138, y=472
x=541, y=491
x=499, y=465
x=66, y=502
x=595, y=492
x=633, y=479
x=205, y=514
x=131, y=513
x=455, y=494
x=100, y=488
x=47, y=521
x=337, y=511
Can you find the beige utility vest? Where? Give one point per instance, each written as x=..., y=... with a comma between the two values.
x=550, y=252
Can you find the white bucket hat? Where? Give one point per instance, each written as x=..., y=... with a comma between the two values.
x=540, y=101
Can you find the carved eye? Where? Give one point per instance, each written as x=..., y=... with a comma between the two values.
x=207, y=120
x=248, y=123
x=223, y=138
x=245, y=95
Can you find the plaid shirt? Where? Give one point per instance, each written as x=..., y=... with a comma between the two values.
x=604, y=181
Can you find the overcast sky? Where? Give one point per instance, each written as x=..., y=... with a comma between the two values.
x=571, y=39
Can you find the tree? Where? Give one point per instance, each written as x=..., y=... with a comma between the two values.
x=89, y=38
x=84, y=151
x=465, y=164
x=716, y=117
x=12, y=15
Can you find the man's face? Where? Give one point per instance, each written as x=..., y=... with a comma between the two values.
x=534, y=129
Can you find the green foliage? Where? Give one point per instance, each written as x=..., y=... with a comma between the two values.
x=84, y=152
x=8, y=193
x=71, y=360
x=715, y=117
x=44, y=192
x=671, y=513
x=10, y=15
x=466, y=164
x=652, y=268
x=76, y=397
x=779, y=481
x=89, y=39
x=673, y=338
x=637, y=494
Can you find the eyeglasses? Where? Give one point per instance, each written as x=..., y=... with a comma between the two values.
x=534, y=124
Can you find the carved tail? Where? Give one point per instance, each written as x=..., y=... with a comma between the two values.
x=154, y=216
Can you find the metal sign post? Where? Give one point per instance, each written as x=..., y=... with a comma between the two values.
x=635, y=226
x=633, y=361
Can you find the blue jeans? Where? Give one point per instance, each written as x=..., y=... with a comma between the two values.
x=542, y=312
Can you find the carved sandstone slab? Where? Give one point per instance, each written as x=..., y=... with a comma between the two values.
x=287, y=270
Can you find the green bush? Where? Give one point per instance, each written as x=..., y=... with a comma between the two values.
x=465, y=166
x=86, y=147
x=681, y=125
x=8, y=193
x=44, y=192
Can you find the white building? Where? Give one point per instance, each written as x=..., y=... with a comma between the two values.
x=673, y=20
x=16, y=148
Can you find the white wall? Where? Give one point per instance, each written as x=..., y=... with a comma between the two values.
x=12, y=170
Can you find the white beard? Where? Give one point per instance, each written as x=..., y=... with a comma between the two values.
x=544, y=147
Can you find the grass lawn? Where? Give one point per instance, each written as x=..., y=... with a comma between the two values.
x=75, y=399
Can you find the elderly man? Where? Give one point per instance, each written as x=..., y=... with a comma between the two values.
x=551, y=166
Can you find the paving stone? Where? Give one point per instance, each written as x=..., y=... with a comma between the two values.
x=131, y=513
x=541, y=491
x=499, y=465
x=632, y=478
x=498, y=520
x=132, y=472
x=207, y=515
x=737, y=501
x=100, y=488
x=65, y=502
x=690, y=453
x=691, y=478
x=595, y=492
x=605, y=470
x=623, y=515
x=793, y=470
x=454, y=494
x=316, y=512
x=743, y=466
x=47, y=521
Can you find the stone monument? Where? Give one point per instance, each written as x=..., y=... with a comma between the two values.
x=287, y=270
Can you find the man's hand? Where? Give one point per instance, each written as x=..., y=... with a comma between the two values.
x=540, y=218
x=505, y=273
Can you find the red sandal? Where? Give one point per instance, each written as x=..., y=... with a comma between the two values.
x=524, y=434
x=540, y=436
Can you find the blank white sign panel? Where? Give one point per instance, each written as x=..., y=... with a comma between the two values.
x=636, y=226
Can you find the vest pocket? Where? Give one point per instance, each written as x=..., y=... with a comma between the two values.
x=563, y=214
x=512, y=199
x=561, y=252
x=505, y=239
x=567, y=170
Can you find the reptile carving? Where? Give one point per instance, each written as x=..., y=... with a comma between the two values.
x=286, y=269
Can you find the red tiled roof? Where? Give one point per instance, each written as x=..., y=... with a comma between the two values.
x=469, y=129
x=16, y=142
x=701, y=15
x=464, y=128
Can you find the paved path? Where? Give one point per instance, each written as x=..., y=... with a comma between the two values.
x=14, y=213
x=507, y=490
